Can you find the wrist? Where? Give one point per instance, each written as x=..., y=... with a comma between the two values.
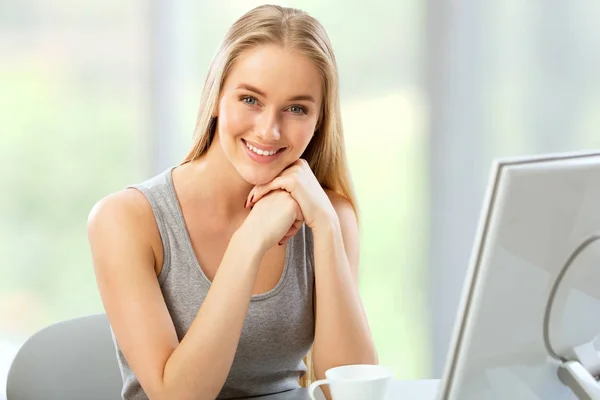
x=327, y=225
x=249, y=240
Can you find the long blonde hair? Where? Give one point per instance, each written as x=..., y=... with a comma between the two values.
x=271, y=24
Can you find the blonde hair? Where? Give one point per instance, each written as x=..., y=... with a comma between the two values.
x=271, y=24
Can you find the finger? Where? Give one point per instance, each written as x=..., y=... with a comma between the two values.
x=293, y=229
x=298, y=223
x=262, y=190
x=291, y=232
x=279, y=183
x=286, y=238
x=249, y=197
x=299, y=215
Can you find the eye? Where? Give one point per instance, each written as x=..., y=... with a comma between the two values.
x=251, y=101
x=298, y=110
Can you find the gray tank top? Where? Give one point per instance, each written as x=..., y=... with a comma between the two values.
x=279, y=328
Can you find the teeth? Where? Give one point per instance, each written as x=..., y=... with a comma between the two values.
x=259, y=151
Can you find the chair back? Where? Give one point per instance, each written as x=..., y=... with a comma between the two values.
x=70, y=360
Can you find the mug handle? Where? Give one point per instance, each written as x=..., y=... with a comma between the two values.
x=314, y=385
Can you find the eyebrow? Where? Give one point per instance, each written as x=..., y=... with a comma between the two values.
x=251, y=88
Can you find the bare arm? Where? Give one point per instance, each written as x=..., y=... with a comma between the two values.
x=342, y=334
x=338, y=305
x=119, y=229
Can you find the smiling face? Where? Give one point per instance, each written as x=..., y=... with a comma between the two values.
x=268, y=110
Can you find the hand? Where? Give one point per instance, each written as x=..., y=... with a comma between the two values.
x=274, y=219
x=300, y=182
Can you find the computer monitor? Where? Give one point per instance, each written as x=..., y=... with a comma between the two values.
x=531, y=301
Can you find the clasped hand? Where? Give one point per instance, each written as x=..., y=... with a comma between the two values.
x=293, y=197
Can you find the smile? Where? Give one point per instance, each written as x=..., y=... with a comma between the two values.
x=263, y=156
x=261, y=152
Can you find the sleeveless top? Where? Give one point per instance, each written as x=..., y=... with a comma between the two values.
x=279, y=327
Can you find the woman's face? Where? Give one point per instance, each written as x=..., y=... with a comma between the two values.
x=268, y=110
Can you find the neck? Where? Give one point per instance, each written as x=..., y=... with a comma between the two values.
x=223, y=190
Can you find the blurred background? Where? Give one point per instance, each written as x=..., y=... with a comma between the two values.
x=97, y=95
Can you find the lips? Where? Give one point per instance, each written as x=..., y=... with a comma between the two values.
x=266, y=157
x=266, y=151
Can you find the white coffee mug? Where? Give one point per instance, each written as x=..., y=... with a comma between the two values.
x=356, y=382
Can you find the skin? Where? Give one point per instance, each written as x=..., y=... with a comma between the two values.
x=236, y=211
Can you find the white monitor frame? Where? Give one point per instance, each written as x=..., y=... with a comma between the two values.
x=517, y=189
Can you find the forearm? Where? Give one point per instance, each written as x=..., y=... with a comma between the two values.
x=342, y=334
x=199, y=366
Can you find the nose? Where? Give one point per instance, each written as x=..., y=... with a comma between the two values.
x=267, y=126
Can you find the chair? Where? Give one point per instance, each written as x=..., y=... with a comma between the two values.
x=70, y=360
x=74, y=360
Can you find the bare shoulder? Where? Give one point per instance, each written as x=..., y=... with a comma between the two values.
x=122, y=232
x=117, y=210
x=124, y=222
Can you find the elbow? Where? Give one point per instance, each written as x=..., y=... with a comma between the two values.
x=165, y=394
x=180, y=391
x=157, y=389
x=158, y=392
x=369, y=356
x=375, y=357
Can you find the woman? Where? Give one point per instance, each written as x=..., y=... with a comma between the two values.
x=219, y=275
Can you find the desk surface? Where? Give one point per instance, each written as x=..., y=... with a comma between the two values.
x=414, y=390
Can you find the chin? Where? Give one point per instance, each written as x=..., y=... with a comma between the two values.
x=255, y=178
